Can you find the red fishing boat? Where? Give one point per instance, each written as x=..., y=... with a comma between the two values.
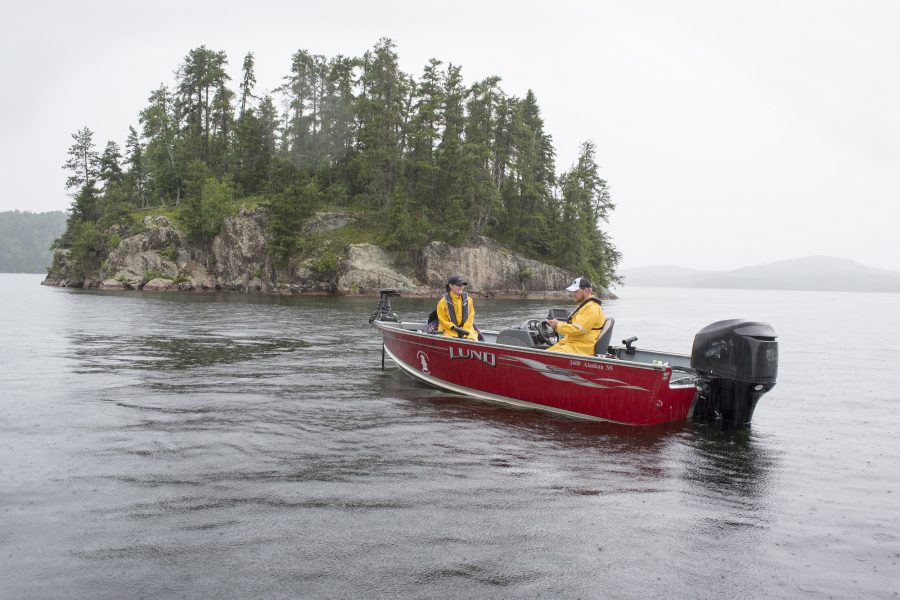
x=731, y=365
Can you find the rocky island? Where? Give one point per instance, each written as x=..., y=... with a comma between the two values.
x=367, y=178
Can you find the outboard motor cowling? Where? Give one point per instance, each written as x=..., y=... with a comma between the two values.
x=739, y=362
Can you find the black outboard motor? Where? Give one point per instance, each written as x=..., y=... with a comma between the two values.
x=739, y=362
x=384, y=312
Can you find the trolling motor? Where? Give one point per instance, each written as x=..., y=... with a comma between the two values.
x=383, y=311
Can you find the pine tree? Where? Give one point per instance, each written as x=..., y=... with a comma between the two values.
x=246, y=132
x=529, y=203
x=205, y=202
x=338, y=118
x=160, y=124
x=481, y=196
x=83, y=161
x=221, y=129
x=421, y=171
x=585, y=203
x=110, y=171
x=379, y=109
x=303, y=87
x=202, y=97
x=266, y=144
x=248, y=82
x=449, y=150
x=135, y=174
x=287, y=212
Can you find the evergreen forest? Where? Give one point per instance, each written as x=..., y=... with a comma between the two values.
x=25, y=239
x=414, y=158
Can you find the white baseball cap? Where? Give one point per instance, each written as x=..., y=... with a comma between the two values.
x=579, y=283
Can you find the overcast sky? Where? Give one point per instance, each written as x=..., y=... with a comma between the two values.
x=731, y=133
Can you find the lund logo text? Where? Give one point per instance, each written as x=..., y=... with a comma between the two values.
x=488, y=358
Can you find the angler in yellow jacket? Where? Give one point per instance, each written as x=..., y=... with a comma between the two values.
x=456, y=311
x=579, y=333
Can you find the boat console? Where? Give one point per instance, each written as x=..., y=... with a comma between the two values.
x=532, y=333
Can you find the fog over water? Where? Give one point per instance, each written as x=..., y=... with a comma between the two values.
x=232, y=446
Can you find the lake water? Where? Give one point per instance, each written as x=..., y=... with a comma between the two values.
x=231, y=446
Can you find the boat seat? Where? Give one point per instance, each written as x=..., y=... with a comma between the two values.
x=602, y=344
x=431, y=325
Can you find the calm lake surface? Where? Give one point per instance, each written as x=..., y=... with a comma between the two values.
x=231, y=446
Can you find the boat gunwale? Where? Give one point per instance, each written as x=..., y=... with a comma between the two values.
x=398, y=326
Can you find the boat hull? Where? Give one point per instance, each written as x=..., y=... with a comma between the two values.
x=578, y=386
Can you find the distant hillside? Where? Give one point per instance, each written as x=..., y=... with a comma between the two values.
x=25, y=240
x=663, y=276
x=810, y=273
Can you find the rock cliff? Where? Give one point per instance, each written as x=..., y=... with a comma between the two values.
x=489, y=266
x=160, y=257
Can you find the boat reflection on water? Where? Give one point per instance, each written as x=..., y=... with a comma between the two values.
x=690, y=463
x=729, y=467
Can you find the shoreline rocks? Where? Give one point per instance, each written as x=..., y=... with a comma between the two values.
x=161, y=258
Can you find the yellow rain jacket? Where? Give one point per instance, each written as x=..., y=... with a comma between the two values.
x=581, y=329
x=459, y=310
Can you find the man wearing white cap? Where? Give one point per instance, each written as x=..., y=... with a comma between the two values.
x=583, y=326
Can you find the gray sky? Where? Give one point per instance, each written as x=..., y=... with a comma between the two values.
x=731, y=133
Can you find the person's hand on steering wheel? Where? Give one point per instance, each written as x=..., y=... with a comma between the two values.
x=547, y=331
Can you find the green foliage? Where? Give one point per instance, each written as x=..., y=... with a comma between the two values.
x=170, y=252
x=164, y=156
x=83, y=161
x=114, y=207
x=88, y=250
x=287, y=213
x=206, y=204
x=414, y=158
x=325, y=265
x=84, y=206
x=195, y=175
x=407, y=227
x=584, y=204
x=151, y=275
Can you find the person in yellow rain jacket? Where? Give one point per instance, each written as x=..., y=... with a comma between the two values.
x=579, y=333
x=456, y=311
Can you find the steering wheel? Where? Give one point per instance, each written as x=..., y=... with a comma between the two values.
x=547, y=333
x=543, y=333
